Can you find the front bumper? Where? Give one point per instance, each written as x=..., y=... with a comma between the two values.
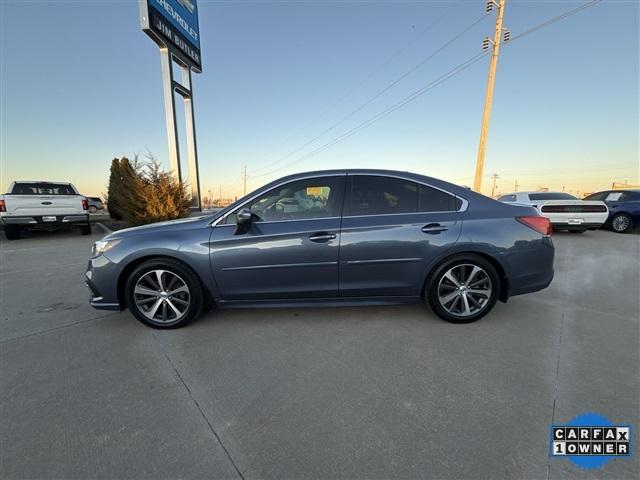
x=101, y=278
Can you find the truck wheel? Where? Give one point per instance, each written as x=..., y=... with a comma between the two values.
x=85, y=229
x=12, y=232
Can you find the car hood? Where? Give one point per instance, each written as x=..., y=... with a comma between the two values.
x=169, y=225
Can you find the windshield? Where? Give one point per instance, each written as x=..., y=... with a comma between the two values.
x=42, y=189
x=551, y=196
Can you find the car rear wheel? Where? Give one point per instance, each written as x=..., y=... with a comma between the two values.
x=463, y=289
x=621, y=223
x=12, y=232
x=164, y=294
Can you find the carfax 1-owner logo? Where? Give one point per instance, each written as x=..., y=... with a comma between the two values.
x=590, y=440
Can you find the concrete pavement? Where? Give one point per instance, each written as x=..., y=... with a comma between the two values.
x=384, y=392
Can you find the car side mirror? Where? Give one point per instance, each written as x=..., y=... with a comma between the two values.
x=243, y=221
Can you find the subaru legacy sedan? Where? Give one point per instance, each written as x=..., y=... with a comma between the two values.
x=339, y=237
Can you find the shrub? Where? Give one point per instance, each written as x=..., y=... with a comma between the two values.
x=141, y=193
x=163, y=196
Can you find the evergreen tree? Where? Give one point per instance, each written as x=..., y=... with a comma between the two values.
x=113, y=188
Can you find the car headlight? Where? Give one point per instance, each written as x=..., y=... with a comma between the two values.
x=103, y=246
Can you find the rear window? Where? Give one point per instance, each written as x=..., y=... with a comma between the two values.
x=551, y=196
x=378, y=195
x=434, y=200
x=42, y=189
x=507, y=198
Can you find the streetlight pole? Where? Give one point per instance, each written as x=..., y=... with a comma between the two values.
x=497, y=37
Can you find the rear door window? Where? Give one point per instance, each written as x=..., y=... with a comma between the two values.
x=377, y=195
x=551, y=196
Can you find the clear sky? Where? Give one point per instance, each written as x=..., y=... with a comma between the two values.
x=81, y=84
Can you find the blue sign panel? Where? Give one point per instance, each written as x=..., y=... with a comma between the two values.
x=175, y=24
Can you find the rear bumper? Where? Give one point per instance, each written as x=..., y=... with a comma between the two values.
x=574, y=226
x=579, y=220
x=61, y=220
x=530, y=269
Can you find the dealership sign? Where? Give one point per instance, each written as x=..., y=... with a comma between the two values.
x=174, y=24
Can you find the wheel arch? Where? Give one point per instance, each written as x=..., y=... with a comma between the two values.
x=133, y=264
x=504, y=281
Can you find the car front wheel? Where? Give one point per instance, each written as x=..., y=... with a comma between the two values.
x=463, y=289
x=621, y=223
x=164, y=294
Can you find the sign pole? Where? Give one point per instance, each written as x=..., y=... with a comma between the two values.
x=192, y=151
x=170, y=113
x=173, y=26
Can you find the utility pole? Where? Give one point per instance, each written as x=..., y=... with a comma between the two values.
x=497, y=37
x=493, y=188
x=220, y=195
x=515, y=186
x=244, y=178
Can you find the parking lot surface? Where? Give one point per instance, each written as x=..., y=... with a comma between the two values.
x=384, y=392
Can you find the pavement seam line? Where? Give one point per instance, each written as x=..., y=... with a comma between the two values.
x=49, y=330
x=104, y=228
x=195, y=402
x=556, y=382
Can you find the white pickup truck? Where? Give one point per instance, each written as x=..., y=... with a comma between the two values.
x=37, y=204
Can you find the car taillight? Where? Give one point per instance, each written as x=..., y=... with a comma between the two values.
x=3, y=206
x=539, y=224
x=85, y=204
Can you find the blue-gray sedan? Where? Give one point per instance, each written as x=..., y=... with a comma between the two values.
x=338, y=237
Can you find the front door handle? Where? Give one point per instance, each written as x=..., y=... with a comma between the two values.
x=432, y=228
x=322, y=237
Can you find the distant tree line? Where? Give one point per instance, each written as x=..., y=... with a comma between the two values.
x=141, y=192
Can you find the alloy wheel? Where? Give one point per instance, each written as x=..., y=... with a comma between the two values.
x=620, y=223
x=464, y=290
x=162, y=296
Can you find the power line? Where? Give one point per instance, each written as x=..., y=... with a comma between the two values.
x=359, y=84
x=383, y=91
x=401, y=103
x=461, y=67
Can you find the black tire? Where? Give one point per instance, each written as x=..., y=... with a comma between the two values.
x=620, y=223
x=461, y=263
x=174, y=268
x=85, y=229
x=12, y=232
x=577, y=231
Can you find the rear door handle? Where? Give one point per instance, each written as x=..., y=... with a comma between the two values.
x=432, y=228
x=322, y=237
